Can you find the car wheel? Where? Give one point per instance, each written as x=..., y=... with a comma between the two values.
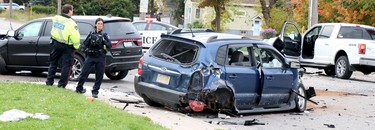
x=300, y=101
x=3, y=69
x=149, y=102
x=76, y=68
x=330, y=71
x=116, y=75
x=342, y=68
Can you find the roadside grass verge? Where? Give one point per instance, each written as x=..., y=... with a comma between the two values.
x=23, y=16
x=67, y=110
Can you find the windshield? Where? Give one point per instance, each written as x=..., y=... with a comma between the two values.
x=119, y=28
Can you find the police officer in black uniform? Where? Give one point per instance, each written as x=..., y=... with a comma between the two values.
x=97, y=44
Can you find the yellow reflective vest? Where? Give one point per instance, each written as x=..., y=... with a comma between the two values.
x=65, y=30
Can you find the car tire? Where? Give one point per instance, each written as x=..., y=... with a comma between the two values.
x=117, y=75
x=3, y=69
x=342, y=68
x=76, y=68
x=150, y=102
x=330, y=71
x=300, y=101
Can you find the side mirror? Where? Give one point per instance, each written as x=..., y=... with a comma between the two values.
x=292, y=64
x=18, y=35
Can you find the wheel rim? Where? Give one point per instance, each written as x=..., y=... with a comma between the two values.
x=114, y=73
x=76, y=69
x=341, y=67
x=301, y=100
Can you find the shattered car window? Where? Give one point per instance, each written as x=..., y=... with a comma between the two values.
x=174, y=51
x=267, y=58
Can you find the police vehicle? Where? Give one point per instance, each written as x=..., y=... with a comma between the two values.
x=150, y=30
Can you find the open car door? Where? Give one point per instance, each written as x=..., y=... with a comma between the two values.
x=291, y=38
x=276, y=78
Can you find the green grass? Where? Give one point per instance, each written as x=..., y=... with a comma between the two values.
x=23, y=16
x=67, y=110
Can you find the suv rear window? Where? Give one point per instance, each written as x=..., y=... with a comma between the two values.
x=119, y=28
x=174, y=51
x=354, y=33
x=372, y=33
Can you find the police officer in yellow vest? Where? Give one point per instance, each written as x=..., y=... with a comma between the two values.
x=65, y=40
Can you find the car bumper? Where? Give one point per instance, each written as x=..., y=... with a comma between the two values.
x=156, y=93
x=367, y=61
x=122, y=63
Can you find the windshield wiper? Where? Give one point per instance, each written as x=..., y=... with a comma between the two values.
x=129, y=33
x=169, y=57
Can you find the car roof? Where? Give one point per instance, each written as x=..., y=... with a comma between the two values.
x=105, y=18
x=347, y=24
x=209, y=37
x=154, y=21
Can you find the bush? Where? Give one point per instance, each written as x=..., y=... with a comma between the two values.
x=268, y=33
x=196, y=24
x=44, y=9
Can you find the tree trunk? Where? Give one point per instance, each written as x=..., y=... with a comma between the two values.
x=265, y=11
x=152, y=8
x=217, y=19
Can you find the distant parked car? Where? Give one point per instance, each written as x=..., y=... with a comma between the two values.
x=29, y=49
x=217, y=71
x=15, y=6
x=150, y=30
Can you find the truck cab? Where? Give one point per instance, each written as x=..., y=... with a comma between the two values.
x=338, y=48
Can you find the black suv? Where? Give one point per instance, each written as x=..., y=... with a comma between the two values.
x=29, y=49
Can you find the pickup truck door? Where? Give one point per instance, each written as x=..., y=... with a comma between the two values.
x=276, y=79
x=23, y=52
x=323, y=45
x=291, y=37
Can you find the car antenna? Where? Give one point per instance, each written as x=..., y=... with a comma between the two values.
x=192, y=34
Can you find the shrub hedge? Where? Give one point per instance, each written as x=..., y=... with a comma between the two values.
x=43, y=9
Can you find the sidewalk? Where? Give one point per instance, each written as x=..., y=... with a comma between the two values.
x=169, y=119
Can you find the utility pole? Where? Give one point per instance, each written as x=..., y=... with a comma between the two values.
x=10, y=8
x=143, y=6
x=313, y=13
x=58, y=6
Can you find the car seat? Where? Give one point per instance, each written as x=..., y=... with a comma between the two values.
x=237, y=56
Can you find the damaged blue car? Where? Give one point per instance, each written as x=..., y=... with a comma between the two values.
x=215, y=71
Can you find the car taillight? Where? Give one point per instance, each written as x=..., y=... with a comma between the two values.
x=139, y=42
x=361, y=48
x=114, y=44
x=140, y=66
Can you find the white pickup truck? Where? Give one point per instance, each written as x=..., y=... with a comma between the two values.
x=338, y=48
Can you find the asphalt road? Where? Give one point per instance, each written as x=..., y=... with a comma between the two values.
x=344, y=104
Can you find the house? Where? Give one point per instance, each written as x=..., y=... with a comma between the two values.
x=246, y=20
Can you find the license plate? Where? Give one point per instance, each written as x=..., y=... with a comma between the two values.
x=164, y=79
x=128, y=44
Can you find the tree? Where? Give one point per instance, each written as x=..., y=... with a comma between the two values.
x=179, y=11
x=349, y=11
x=219, y=7
x=121, y=8
x=301, y=12
x=266, y=9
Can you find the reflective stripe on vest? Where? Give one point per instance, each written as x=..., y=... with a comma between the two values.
x=60, y=26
